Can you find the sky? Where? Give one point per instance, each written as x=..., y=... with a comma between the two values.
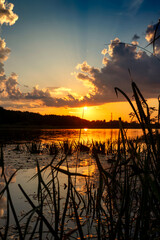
x=59, y=56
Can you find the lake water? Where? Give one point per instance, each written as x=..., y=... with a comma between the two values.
x=48, y=135
x=87, y=135
x=25, y=161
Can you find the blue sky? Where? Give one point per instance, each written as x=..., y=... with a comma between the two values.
x=52, y=33
x=51, y=37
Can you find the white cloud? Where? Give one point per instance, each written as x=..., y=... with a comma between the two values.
x=104, y=51
x=4, y=54
x=6, y=13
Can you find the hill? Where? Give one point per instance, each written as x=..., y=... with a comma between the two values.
x=29, y=119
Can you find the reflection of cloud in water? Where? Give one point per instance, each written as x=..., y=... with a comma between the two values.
x=3, y=204
x=91, y=171
x=3, y=201
x=8, y=171
x=1, y=212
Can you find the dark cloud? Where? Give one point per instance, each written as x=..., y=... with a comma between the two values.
x=11, y=87
x=38, y=94
x=121, y=57
x=150, y=32
x=135, y=37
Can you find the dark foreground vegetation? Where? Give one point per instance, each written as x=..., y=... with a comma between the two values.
x=123, y=204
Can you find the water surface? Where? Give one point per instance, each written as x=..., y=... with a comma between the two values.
x=19, y=135
x=26, y=162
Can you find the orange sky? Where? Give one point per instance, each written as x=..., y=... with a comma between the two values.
x=101, y=112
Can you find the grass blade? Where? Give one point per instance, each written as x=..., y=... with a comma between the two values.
x=52, y=231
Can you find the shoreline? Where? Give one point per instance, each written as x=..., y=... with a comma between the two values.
x=44, y=127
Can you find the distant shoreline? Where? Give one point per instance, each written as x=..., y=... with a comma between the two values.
x=44, y=127
x=10, y=119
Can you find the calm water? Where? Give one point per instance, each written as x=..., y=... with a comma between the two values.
x=44, y=135
x=86, y=134
x=27, y=162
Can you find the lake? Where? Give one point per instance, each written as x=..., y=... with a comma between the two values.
x=44, y=135
x=17, y=155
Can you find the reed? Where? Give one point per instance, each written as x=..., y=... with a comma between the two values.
x=124, y=205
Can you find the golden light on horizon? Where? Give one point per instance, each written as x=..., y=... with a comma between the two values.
x=100, y=112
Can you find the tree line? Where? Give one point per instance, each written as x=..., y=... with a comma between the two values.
x=18, y=118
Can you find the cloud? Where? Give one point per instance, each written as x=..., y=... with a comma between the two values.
x=4, y=51
x=4, y=54
x=8, y=87
x=38, y=94
x=121, y=56
x=104, y=51
x=6, y=13
x=59, y=91
x=83, y=67
x=135, y=37
x=105, y=61
x=150, y=32
x=12, y=90
x=135, y=43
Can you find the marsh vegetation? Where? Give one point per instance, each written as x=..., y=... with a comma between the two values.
x=120, y=201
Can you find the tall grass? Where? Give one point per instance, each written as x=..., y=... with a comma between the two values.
x=124, y=205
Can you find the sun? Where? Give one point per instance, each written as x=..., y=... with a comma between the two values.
x=85, y=108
